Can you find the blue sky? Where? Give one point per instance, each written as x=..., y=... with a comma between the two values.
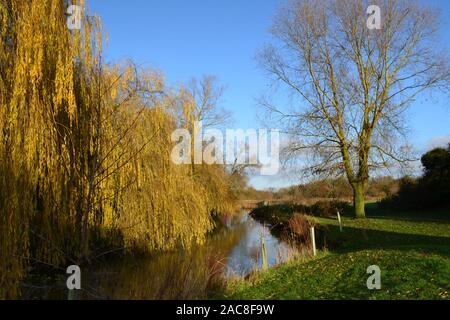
x=190, y=38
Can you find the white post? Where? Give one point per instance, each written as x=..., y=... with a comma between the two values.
x=313, y=238
x=339, y=219
x=265, y=261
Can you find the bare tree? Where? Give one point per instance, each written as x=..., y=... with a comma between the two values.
x=351, y=84
x=205, y=95
x=199, y=101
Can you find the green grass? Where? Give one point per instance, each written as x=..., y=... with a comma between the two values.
x=404, y=275
x=413, y=255
x=385, y=233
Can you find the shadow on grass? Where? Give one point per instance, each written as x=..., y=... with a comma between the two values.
x=354, y=238
x=373, y=210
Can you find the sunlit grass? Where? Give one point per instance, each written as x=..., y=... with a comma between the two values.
x=404, y=275
x=414, y=257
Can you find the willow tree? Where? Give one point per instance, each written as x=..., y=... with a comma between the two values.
x=85, y=149
x=53, y=140
x=37, y=98
x=351, y=82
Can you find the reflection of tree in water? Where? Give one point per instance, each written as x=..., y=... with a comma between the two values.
x=246, y=256
x=173, y=275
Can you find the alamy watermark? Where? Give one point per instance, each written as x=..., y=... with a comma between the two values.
x=374, y=19
x=74, y=280
x=250, y=147
x=75, y=14
x=374, y=281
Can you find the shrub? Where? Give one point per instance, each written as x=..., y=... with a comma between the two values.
x=432, y=190
x=328, y=209
x=299, y=227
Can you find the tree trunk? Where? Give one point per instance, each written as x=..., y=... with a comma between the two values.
x=359, y=200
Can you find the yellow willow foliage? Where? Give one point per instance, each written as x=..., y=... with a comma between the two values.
x=168, y=206
x=32, y=177
x=47, y=108
x=155, y=204
x=85, y=150
x=162, y=205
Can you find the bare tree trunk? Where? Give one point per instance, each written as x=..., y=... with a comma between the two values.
x=359, y=200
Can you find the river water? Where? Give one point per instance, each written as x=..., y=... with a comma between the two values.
x=234, y=250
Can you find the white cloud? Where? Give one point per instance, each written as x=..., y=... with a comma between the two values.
x=437, y=142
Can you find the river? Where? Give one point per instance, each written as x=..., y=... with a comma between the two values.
x=234, y=250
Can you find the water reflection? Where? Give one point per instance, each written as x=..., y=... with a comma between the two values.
x=233, y=250
x=246, y=256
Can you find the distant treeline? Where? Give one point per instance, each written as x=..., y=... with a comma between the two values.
x=85, y=150
x=339, y=188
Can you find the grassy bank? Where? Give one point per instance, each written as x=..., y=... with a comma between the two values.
x=413, y=253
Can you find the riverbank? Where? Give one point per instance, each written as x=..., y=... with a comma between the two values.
x=412, y=253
